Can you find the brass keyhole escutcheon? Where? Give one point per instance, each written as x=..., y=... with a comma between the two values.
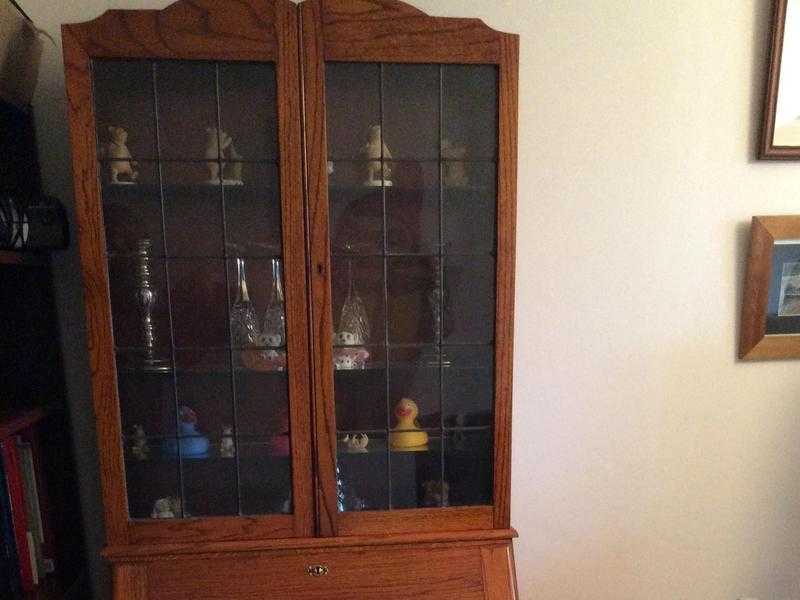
x=317, y=570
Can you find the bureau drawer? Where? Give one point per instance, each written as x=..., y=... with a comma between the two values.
x=362, y=574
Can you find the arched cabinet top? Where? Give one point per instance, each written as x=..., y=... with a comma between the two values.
x=390, y=30
x=189, y=29
x=363, y=30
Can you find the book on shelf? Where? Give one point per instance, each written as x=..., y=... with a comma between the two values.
x=19, y=518
x=9, y=564
x=33, y=507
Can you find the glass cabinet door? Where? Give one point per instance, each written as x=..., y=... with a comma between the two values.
x=412, y=188
x=191, y=205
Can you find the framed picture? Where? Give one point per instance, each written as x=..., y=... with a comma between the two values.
x=771, y=305
x=781, y=129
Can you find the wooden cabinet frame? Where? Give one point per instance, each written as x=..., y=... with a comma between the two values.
x=391, y=31
x=299, y=39
x=242, y=30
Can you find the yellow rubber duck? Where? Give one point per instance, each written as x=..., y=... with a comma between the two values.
x=406, y=435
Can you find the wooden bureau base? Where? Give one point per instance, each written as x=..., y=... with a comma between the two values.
x=464, y=570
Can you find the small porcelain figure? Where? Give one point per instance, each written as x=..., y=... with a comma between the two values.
x=356, y=444
x=219, y=147
x=117, y=148
x=140, y=448
x=436, y=493
x=458, y=440
x=349, y=358
x=166, y=508
x=375, y=151
x=407, y=435
x=227, y=448
x=455, y=170
x=269, y=359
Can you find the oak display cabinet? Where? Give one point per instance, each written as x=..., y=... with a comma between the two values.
x=297, y=228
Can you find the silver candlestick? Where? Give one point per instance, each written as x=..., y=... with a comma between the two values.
x=146, y=299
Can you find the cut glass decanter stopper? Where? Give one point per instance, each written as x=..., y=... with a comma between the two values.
x=244, y=324
x=274, y=330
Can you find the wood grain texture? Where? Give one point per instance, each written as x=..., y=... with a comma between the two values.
x=499, y=579
x=444, y=573
x=767, y=150
x=174, y=551
x=506, y=244
x=320, y=267
x=91, y=237
x=130, y=582
x=756, y=288
x=374, y=30
x=415, y=520
x=213, y=528
x=755, y=344
x=187, y=29
x=294, y=257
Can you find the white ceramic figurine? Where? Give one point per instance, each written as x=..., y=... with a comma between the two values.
x=376, y=152
x=140, y=449
x=227, y=448
x=356, y=444
x=117, y=148
x=166, y=508
x=455, y=170
x=219, y=147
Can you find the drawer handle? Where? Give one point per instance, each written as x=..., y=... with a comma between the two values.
x=317, y=570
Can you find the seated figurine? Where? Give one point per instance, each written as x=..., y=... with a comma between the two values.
x=117, y=149
x=377, y=153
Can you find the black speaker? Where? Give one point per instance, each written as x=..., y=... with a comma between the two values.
x=38, y=224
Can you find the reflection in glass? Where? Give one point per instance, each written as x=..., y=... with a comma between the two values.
x=187, y=109
x=468, y=466
x=192, y=212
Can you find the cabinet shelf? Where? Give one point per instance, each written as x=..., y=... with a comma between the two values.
x=22, y=258
x=152, y=191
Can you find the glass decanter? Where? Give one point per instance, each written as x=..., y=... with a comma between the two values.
x=353, y=323
x=244, y=324
x=274, y=327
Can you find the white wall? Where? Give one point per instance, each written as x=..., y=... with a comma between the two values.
x=648, y=462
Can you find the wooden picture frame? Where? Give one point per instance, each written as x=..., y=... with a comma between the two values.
x=771, y=304
x=780, y=136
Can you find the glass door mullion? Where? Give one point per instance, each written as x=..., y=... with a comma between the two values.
x=439, y=317
x=232, y=362
x=385, y=259
x=168, y=288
